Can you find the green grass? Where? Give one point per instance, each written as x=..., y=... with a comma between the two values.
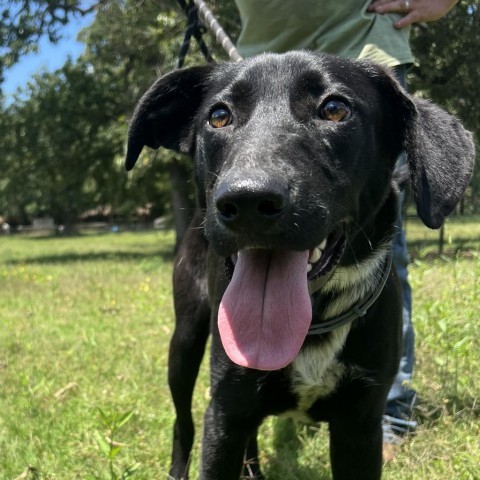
x=85, y=326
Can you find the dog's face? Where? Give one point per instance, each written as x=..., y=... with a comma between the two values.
x=290, y=152
x=294, y=157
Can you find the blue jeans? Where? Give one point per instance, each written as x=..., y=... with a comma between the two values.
x=401, y=397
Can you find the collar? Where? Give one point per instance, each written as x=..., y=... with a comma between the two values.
x=360, y=308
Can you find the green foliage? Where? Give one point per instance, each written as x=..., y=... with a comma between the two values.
x=446, y=71
x=63, y=137
x=130, y=44
x=111, y=447
x=133, y=42
x=24, y=22
x=59, y=152
x=447, y=57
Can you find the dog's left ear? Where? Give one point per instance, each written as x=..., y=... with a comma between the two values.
x=441, y=156
x=164, y=115
x=439, y=150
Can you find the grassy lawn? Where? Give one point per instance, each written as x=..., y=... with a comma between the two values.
x=85, y=326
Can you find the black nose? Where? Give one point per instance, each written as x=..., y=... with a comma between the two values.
x=251, y=202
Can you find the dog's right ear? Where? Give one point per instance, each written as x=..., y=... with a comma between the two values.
x=164, y=115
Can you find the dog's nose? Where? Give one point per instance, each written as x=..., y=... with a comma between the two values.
x=251, y=202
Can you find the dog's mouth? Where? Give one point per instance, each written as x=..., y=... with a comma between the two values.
x=321, y=260
x=266, y=310
x=325, y=257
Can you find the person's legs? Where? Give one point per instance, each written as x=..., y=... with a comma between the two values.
x=401, y=398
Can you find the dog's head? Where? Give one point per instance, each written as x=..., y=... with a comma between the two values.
x=294, y=155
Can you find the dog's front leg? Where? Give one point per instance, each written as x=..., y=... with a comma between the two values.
x=187, y=346
x=224, y=442
x=235, y=412
x=356, y=448
x=251, y=466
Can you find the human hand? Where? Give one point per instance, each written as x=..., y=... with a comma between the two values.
x=415, y=11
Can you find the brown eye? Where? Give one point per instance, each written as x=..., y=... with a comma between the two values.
x=335, y=111
x=220, y=117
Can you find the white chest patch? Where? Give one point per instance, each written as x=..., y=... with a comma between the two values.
x=355, y=282
x=316, y=371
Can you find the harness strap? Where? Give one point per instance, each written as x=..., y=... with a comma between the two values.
x=360, y=308
x=194, y=28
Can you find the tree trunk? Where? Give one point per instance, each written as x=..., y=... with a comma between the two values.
x=441, y=239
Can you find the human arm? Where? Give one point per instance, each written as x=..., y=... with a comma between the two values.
x=414, y=11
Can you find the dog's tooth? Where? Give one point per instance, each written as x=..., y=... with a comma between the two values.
x=315, y=256
x=309, y=267
x=234, y=258
x=323, y=245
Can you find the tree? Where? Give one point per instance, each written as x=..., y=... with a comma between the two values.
x=448, y=55
x=59, y=146
x=24, y=22
x=129, y=44
x=136, y=42
x=64, y=137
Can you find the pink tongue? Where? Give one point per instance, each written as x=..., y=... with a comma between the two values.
x=266, y=311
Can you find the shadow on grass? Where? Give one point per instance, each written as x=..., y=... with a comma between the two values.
x=285, y=463
x=452, y=405
x=117, y=256
x=82, y=233
x=428, y=248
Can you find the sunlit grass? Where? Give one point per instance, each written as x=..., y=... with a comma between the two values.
x=85, y=325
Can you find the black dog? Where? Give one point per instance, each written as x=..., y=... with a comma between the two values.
x=287, y=264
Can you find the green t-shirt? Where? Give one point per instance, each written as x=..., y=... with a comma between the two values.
x=342, y=27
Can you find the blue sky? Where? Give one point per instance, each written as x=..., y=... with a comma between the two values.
x=49, y=57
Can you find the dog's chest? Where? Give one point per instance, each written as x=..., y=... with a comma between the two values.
x=316, y=371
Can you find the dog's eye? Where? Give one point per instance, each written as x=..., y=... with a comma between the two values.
x=220, y=117
x=335, y=111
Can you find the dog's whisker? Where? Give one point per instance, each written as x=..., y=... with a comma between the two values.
x=357, y=263
x=364, y=233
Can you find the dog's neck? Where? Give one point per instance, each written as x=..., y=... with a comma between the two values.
x=378, y=269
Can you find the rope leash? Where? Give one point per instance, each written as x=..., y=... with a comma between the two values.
x=220, y=35
x=196, y=29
